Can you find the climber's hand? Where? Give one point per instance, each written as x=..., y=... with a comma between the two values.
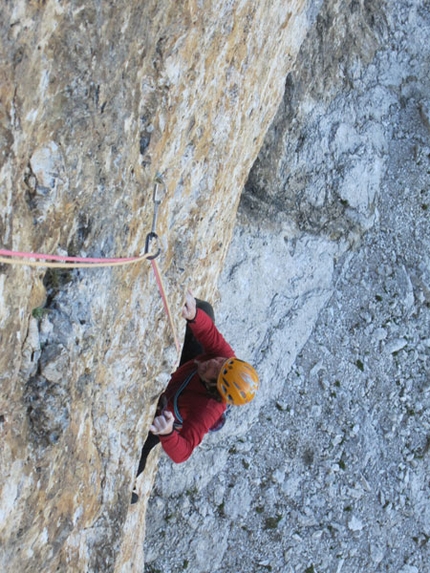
x=189, y=309
x=162, y=424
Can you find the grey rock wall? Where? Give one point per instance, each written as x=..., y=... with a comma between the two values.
x=326, y=289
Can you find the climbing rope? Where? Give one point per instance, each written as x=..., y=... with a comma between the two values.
x=162, y=292
x=66, y=262
x=21, y=258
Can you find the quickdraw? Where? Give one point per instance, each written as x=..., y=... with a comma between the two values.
x=157, y=198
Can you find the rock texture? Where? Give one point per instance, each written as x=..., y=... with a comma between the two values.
x=96, y=99
x=326, y=287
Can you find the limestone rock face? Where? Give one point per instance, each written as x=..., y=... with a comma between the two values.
x=96, y=99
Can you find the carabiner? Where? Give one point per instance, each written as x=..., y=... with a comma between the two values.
x=157, y=198
x=149, y=237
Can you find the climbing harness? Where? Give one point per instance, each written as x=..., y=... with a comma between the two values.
x=65, y=262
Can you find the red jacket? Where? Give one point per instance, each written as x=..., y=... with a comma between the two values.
x=198, y=410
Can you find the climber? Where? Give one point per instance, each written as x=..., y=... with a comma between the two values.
x=208, y=379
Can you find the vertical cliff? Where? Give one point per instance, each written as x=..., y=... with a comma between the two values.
x=96, y=99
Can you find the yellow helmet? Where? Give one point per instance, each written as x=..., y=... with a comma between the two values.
x=237, y=382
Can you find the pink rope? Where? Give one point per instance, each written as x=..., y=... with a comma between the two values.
x=162, y=292
x=7, y=253
x=79, y=262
